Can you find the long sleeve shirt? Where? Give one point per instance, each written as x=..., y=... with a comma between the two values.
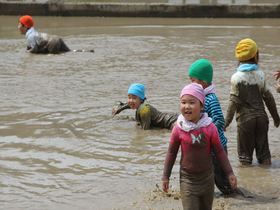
x=247, y=94
x=196, y=146
x=213, y=109
x=36, y=42
x=149, y=117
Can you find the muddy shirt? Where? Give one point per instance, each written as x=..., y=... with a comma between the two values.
x=196, y=146
x=36, y=42
x=248, y=91
x=44, y=43
x=149, y=117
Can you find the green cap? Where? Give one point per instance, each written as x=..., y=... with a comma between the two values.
x=202, y=69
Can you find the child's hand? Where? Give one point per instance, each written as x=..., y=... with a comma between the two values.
x=165, y=185
x=233, y=181
x=120, y=106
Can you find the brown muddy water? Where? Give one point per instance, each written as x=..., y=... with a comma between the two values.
x=61, y=149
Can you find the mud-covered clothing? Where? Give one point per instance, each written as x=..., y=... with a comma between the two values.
x=221, y=178
x=197, y=197
x=44, y=43
x=213, y=108
x=253, y=134
x=149, y=117
x=248, y=91
x=197, y=141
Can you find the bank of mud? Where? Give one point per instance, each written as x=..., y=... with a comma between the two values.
x=141, y=10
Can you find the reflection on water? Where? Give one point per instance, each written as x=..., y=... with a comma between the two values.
x=59, y=146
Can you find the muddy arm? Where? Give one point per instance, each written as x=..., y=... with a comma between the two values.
x=120, y=106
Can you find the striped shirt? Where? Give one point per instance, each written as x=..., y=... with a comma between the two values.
x=213, y=109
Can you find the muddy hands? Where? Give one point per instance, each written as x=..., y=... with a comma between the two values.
x=118, y=107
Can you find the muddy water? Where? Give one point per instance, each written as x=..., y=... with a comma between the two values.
x=60, y=147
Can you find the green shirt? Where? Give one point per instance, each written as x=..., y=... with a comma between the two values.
x=149, y=117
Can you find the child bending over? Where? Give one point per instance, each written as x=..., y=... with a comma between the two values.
x=40, y=42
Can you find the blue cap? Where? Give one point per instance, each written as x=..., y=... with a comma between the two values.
x=137, y=89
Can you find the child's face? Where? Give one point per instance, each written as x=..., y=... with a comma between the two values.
x=22, y=28
x=202, y=83
x=190, y=108
x=134, y=101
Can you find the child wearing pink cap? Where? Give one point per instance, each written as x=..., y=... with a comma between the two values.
x=40, y=42
x=197, y=136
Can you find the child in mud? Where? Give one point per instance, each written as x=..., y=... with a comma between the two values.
x=277, y=77
x=197, y=136
x=146, y=115
x=248, y=91
x=201, y=72
x=40, y=42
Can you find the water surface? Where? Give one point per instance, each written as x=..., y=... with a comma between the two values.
x=59, y=146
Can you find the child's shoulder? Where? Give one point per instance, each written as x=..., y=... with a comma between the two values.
x=211, y=96
x=144, y=108
x=251, y=77
x=211, y=99
x=210, y=128
x=144, y=105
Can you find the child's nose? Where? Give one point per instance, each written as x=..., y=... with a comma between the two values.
x=187, y=106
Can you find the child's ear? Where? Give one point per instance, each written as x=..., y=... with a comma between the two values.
x=201, y=107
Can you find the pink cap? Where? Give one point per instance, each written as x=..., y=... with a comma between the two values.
x=195, y=90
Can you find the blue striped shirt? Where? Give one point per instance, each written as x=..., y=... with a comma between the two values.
x=213, y=109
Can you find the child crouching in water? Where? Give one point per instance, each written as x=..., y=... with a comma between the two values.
x=197, y=136
x=146, y=115
x=40, y=42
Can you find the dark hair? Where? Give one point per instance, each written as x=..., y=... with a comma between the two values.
x=253, y=60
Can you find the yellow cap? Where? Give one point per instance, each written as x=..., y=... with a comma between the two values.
x=246, y=49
